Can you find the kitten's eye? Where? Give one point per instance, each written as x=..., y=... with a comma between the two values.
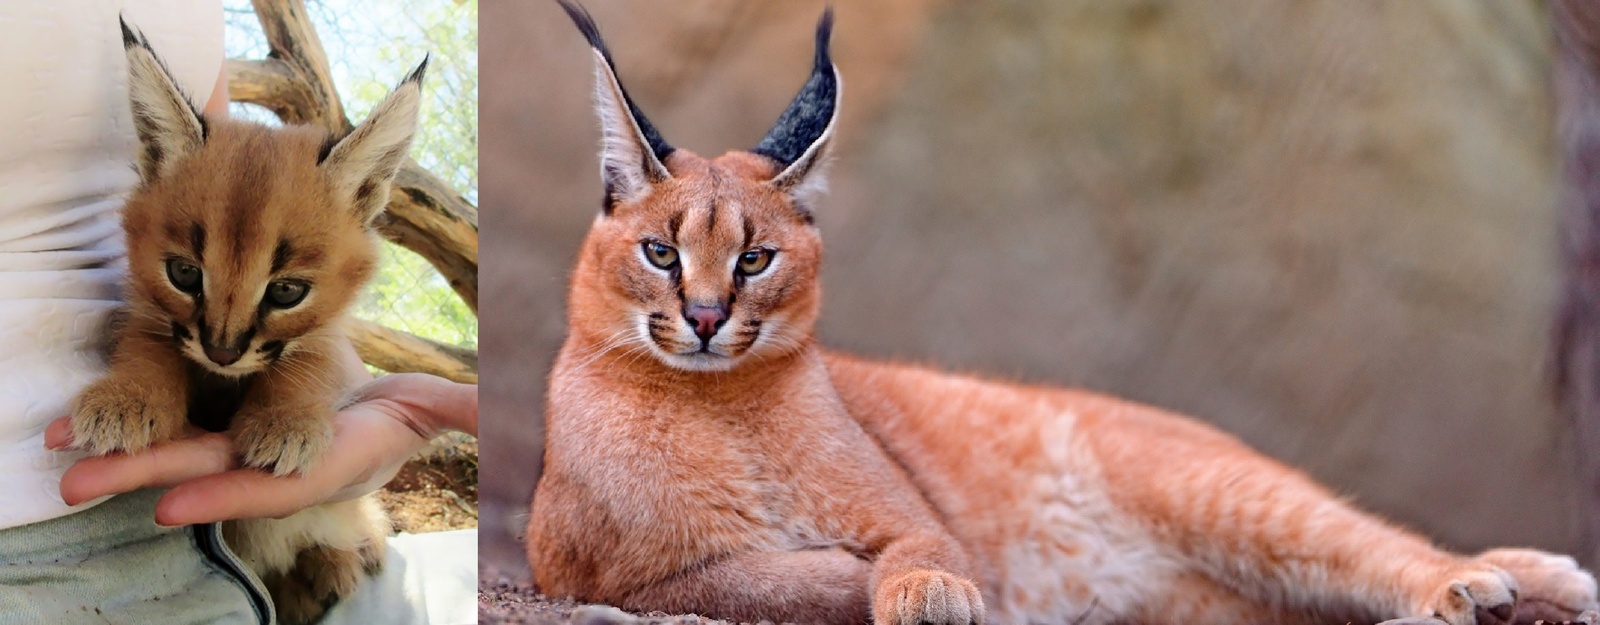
x=660, y=254
x=754, y=261
x=184, y=275
x=286, y=293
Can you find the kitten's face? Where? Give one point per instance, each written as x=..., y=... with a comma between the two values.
x=712, y=268
x=245, y=240
x=245, y=248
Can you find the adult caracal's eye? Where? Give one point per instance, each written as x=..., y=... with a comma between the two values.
x=184, y=275
x=286, y=293
x=754, y=261
x=660, y=254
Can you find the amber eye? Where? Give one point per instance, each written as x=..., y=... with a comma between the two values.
x=754, y=261
x=286, y=293
x=660, y=254
x=184, y=275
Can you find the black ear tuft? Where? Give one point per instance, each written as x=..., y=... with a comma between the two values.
x=810, y=115
x=591, y=33
x=129, y=38
x=417, y=74
x=168, y=124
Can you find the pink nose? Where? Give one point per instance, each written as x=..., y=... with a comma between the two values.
x=706, y=319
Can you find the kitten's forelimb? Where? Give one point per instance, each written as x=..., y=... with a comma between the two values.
x=141, y=401
x=286, y=423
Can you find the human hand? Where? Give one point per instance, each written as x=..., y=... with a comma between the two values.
x=390, y=419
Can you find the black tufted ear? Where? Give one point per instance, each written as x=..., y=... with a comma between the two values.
x=799, y=141
x=168, y=124
x=364, y=163
x=632, y=153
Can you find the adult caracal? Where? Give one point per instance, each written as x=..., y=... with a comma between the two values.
x=704, y=455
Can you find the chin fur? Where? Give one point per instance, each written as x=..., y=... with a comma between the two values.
x=698, y=361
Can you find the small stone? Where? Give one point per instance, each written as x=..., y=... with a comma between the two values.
x=602, y=615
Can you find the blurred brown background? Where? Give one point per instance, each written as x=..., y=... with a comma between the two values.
x=1328, y=227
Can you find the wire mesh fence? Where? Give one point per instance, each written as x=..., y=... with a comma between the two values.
x=370, y=47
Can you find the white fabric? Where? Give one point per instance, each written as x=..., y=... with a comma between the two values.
x=66, y=157
x=427, y=579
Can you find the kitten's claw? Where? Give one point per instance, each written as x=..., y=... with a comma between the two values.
x=924, y=596
x=114, y=415
x=1552, y=587
x=281, y=441
x=1478, y=594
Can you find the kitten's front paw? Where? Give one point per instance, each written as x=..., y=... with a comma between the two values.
x=924, y=596
x=1553, y=587
x=115, y=415
x=1475, y=594
x=281, y=441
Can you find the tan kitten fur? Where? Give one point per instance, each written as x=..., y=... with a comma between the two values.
x=251, y=211
x=704, y=455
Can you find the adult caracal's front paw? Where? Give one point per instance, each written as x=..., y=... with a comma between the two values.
x=1473, y=594
x=924, y=596
x=118, y=415
x=1553, y=587
x=281, y=440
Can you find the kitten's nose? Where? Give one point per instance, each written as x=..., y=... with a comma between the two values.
x=223, y=356
x=705, y=319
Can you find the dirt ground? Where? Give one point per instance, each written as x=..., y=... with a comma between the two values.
x=502, y=601
x=437, y=490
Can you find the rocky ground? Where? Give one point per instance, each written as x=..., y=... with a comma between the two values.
x=437, y=490
x=503, y=601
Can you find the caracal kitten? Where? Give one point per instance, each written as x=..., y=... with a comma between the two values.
x=704, y=455
x=246, y=245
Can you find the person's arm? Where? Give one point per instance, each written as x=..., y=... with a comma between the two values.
x=217, y=105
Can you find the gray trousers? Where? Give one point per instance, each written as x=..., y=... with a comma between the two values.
x=113, y=564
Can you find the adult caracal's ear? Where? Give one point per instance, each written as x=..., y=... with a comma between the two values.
x=169, y=126
x=364, y=162
x=799, y=141
x=631, y=152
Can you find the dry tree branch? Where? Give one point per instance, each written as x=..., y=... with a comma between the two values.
x=399, y=352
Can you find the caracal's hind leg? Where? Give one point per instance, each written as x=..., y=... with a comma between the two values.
x=1268, y=532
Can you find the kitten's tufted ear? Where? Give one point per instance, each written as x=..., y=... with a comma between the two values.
x=167, y=122
x=364, y=162
x=799, y=141
x=632, y=152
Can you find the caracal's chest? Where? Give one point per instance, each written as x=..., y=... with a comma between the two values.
x=767, y=478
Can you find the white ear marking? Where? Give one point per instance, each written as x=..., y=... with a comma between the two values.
x=632, y=153
x=628, y=165
x=799, y=141
x=169, y=126
x=364, y=162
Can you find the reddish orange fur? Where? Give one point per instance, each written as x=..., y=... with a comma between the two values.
x=794, y=484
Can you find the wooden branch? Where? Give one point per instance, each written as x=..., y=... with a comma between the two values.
x=293, y=42
x=428, y=217
x=424, y=213
x=400, y=352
